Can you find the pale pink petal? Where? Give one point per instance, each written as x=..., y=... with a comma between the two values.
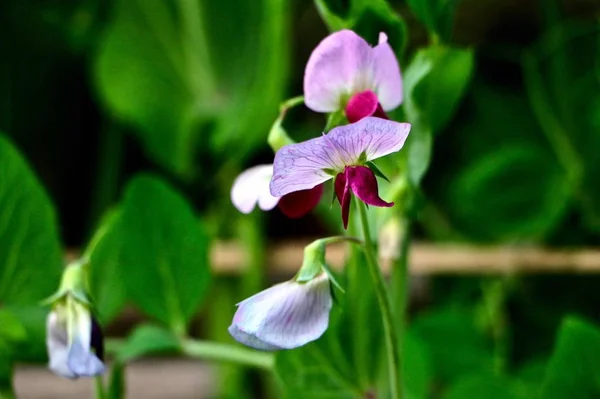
x=386, y=75
x=375, y=137
x=285, y=316
x=302, y=166
x=252, y=187
x=338, y=67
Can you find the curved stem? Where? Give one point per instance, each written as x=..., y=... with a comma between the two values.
x=391, y=337
x=100, y=391
x=207, y=350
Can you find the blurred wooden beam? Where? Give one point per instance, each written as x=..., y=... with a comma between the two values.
x=427, y=259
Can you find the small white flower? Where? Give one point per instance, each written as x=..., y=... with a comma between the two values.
x=70, y=337
x=252, y=187
x=285, y=316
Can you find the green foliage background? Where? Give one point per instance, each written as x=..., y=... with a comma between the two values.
x=124, y=123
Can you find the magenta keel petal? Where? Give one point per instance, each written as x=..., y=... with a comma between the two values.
x=344, y=196
x=363, y=183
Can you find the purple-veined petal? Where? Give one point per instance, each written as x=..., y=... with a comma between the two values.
x=285, y=316
x=339, y=66
x=301, y=166
x=363, y=183
x=386, y=75
x=364, y=104
x=374, y=136
x=252, y=187
x=299, y=203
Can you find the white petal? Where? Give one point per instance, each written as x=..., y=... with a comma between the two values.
x=285, y=316
x=84, y=363
x=57, y=345
x=252, y=187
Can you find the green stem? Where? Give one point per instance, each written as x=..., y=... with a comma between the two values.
x=100, y=391
x=400, y=286
x=207, y=350
x=391, y=337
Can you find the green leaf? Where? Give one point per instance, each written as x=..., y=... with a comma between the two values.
x=11, y=328
x=333, y=14
x=517, y=189
x=417, y=370
x=106, y=284
x=366, y=18
x=483, y=385
x=165, y=250
x=436, y=15
x=176, y=69
x=419, y=146
x=30, y=252
x=574, y=368
x=456, y=346
x=33, y=320
x=434, y=83
x=146, y=340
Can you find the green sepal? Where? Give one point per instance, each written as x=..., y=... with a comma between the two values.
x=376, y=170
x=73, y=283
x=334, y=119
x=332, y=278
x=278, y=136
x=312, y=265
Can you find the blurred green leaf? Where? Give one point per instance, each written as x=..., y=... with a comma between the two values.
x=436, y=15
x=177, y=68
x=419, y=147
x=33, y=319
x=165, y=252
x=106, y=283
x=30, y=252
x=367, y=18
x=417, y=370
x=456, y=346
x=435, y=82
x=574, y=368
x=11, y=328
x=318, y=370
x=146, y=340
x=483, y=385
x=516, y=189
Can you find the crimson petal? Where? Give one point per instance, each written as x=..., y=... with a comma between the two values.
x=344, y=196
x=363, y=183
x=299, y=203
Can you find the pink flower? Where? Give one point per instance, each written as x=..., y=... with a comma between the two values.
x=251, y=187
x=342, y=153
x=344, y=72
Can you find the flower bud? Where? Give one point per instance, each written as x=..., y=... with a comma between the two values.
x=73, y=338
x=285, y=316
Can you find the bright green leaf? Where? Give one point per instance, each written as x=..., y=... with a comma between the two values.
x=434, y=83
x=11, y=328
x=178, y=69
x=147, y=340
x=574, y=368
x=106, y=284
x=30, y=252
x=164, y=252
